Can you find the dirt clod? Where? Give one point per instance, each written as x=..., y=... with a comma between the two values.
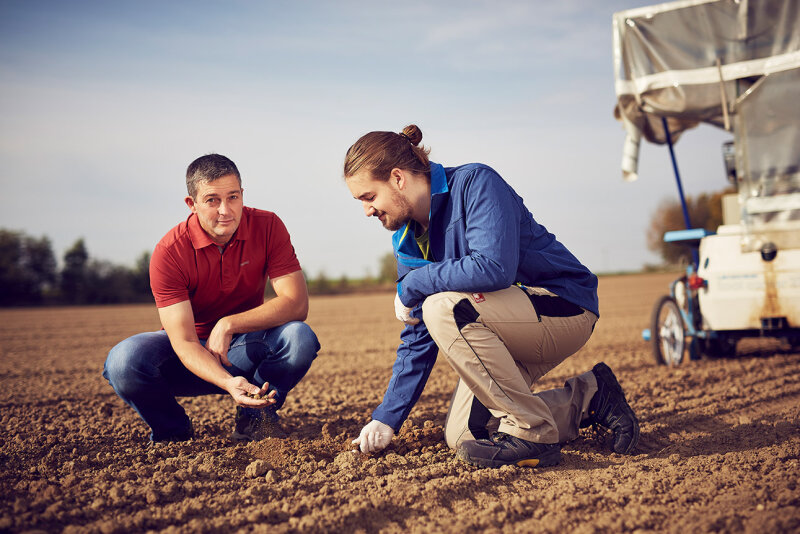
x=256, y=469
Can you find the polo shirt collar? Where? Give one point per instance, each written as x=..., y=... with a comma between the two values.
x=200, y=239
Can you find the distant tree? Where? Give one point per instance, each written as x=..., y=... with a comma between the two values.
x=387, y=268
x=12, y=275
x=343, y=285
x=27, y=268
x=74, y=274
x=322, y=285
x=705, y=211
x=368, y=278
x=106, y=283
x=141, y=277
x=41, y=262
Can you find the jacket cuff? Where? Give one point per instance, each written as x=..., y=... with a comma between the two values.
x=405, y=293
x=393, y=418
x=403, y=298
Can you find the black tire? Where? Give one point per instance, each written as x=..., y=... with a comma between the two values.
x=667, y=332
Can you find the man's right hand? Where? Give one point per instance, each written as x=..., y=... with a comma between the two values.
x=374, y=437
x=238, y=387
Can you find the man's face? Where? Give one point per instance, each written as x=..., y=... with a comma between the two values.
x=218, y=207
x=381, y=199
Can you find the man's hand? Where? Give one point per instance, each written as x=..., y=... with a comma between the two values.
x=375, y=436
x=219, y=340
x=240, y=389
x=403, y=313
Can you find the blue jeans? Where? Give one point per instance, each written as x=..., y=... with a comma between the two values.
x=147, y=374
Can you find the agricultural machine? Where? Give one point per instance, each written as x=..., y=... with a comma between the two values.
x=734, y=64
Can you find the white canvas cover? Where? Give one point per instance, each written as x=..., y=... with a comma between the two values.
x=731, y=63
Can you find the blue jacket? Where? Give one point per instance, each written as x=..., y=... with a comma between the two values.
x=482, y=238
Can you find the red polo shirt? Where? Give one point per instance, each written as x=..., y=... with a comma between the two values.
x=187, y=265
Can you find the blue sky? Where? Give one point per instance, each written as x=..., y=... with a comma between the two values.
x=104, y=104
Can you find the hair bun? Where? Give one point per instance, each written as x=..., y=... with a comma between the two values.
x=413, y=134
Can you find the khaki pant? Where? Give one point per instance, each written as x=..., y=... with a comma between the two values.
x=500, y=344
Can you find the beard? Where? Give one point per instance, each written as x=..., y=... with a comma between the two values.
x=403, y=208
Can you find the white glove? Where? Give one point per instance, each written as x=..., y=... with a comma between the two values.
x=375, y=436
x=403, y=313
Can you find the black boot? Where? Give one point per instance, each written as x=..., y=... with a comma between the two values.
x=503, y=449
x=608, y=408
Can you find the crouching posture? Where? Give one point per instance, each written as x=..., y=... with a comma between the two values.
x=208, y=276
x=504, y=301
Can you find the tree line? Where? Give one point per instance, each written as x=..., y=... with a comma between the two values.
x=30, y=276
x=29, y=273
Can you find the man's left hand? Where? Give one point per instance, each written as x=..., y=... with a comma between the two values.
x=403, y=313
x=218, y=342
x=246, y=394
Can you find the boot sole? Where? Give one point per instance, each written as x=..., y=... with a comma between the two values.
x=610, y=379
x=548, y=459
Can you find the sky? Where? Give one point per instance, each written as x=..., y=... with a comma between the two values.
x=103, y=104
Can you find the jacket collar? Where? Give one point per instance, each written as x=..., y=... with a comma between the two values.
x=439, y=189
x=403, y=239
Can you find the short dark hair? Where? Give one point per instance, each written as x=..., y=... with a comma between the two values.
x=207, y=169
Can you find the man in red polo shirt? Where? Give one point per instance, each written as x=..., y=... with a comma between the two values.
x=208, y=276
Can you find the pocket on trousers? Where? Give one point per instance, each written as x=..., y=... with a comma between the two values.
x=553, y=306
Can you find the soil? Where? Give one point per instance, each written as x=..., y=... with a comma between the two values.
x=719, y=448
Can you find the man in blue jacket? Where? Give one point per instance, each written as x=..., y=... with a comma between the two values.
x=481, y=281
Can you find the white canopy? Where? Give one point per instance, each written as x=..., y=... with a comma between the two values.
x=694, y=61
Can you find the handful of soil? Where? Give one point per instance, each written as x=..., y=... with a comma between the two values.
x=256, y=396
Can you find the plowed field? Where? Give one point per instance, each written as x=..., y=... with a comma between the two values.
x=719, y=448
